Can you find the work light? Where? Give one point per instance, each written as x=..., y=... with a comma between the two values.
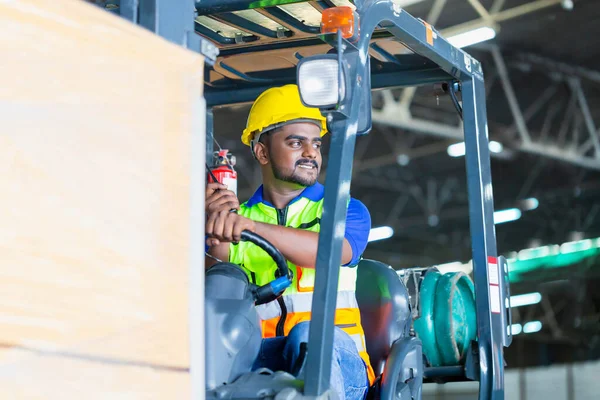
x=320, y=81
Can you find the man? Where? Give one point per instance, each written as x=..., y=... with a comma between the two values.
x=285, y=139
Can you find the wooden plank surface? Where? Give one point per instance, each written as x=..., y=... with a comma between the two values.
x=96, y=117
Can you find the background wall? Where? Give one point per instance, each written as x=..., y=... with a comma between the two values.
x=577, y=381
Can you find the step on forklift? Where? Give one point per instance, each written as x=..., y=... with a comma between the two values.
x=420, y=326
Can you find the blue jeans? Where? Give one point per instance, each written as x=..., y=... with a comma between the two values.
x=348, y=371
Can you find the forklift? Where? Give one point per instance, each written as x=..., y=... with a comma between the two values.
x=338, y=52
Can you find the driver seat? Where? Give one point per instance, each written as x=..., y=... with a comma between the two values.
x=385, y=312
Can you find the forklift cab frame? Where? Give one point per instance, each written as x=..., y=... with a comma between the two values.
x=362, y=65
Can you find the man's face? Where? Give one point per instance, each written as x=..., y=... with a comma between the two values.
x=295, y=153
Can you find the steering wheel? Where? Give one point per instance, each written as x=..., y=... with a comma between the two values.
x=274, y=289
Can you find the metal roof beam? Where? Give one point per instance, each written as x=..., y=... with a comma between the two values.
x=555, y=140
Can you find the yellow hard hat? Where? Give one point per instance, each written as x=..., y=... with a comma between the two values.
x=276, y=106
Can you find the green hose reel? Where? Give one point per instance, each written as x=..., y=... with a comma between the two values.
x=447, y=324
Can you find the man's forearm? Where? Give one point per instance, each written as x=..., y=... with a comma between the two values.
x=297, y=245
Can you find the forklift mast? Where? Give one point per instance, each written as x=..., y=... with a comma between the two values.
x=253, y=45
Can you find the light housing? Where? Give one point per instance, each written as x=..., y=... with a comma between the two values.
x=525, y=299
x=472, y=37
x=532, y=327
x=515, y=329
x=380, y=233
x=458, y=149
x=529, y=204
x=495, y=147
x=320, y=81
x=344, y=19
x=508, y=215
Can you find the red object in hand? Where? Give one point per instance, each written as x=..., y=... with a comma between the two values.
x=223, y=170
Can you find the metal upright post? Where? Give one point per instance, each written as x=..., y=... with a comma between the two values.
x=129, y=10
x=169, y=19
x=209, y=134
x=329, y=255
x=488, y=295
x=343, y=125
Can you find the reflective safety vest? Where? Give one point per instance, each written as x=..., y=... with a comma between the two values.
x=294, y=306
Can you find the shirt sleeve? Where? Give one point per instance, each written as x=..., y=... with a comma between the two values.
x=358, y=226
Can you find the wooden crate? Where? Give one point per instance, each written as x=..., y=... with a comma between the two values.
x=96, y=122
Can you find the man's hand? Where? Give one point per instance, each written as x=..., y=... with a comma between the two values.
x=218, y=199
x=226, y=226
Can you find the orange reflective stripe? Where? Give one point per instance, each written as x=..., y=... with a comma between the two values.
x=302, y=302
x=370, y=372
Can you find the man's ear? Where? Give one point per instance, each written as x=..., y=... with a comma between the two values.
x=261, y=153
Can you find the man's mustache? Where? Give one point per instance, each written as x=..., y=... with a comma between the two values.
x=313, y=162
